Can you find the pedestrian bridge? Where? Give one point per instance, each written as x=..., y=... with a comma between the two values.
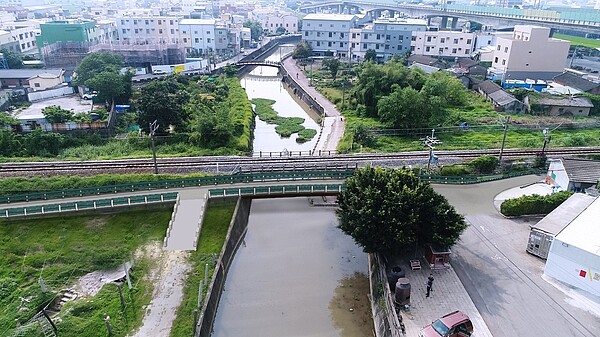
x=260, y=63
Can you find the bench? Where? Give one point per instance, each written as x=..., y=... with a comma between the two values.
x=415, y=264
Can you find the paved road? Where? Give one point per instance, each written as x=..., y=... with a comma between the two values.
x=505, y=282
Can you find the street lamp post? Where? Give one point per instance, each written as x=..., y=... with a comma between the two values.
x=153, y=128
x=546, y=140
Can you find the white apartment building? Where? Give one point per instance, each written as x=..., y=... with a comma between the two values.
x=328, y=34
x=386, y=36
x=23, y=34
x=530, y=50
x=198, y=35
x=485, y=45
x=148, y=29
x=443, y=43
x=271, y=22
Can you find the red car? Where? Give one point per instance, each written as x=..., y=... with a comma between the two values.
x=454, y=324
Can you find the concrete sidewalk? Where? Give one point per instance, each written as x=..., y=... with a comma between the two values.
x=333, y=122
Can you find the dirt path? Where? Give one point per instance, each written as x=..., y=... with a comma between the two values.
x=168, y=277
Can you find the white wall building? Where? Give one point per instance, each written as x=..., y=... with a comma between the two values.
x=443, y=43
x=328, y=34
x=148, y=29
x=574, y=256
x=530, y=50
x=386, y=36
x=271, y=22
x=198, y=35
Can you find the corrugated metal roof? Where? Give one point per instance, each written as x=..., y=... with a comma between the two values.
x=27, y=73
x=564, y=214
x=582, y=170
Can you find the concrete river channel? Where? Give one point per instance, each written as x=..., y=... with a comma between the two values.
x=296, y=274
x=265, y=82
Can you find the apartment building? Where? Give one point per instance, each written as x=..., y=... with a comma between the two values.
x=197, y=35
x=443, y=43
x=530, y=51
x=67, y=31
x=328, y=34
x=23, y=34
x=386, y=36
x=148, y=29
x=271, y=22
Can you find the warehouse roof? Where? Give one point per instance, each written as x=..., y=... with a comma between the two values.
x=584, y=232
x=564, y=214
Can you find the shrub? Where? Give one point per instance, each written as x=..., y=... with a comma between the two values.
x=533, y=204
x=484, y=164
x=454, y=170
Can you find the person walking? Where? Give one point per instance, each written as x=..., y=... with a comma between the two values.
x=429, y=284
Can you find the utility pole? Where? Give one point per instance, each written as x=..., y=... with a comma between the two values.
x=430, y=142
x=153, y=128
x=503, y=138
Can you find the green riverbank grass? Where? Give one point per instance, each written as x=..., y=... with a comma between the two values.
x=286, y=126
x=214, y=229
x=60, y=250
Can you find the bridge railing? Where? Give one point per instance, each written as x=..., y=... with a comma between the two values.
x=276, y=190
x=179, y=183
x=88, y=205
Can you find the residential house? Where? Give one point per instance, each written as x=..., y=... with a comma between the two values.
x=198, y=35
x=573, y=174
x=386, y=36
x=502, y=100
x=328, y=34
x=558, y=105
x=471, y=67
x=27, y=78
x=569, y=83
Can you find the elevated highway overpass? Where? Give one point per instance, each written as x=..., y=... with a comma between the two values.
x=570, y=19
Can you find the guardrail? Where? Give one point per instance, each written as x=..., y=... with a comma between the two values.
x=276, y=190
x=178, y=183
x=461, y=180
x=88, y=205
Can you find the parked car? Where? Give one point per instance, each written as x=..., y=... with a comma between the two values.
x=159, y=72
x=89, y=95
x=454, y=324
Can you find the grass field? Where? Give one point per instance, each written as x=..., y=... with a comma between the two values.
x=214, y=229
x=60, y=250
x=579, y=41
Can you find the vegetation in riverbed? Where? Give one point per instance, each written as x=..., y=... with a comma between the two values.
x=286, y=126
x=214, y=229
x=61, y=249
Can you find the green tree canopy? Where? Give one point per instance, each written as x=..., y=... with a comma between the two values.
x=256, y=29
x=405, y=108
x=6, y=119
x=56, y=114
x=163, y=100
x=332, y=65
x=280, y=30
x=391, y=211
x=303, y=50
x=108, y=84
x=371, y=55
x=14, y=60
x=96, y=63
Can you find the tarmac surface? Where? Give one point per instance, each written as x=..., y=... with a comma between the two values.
x=72, y=102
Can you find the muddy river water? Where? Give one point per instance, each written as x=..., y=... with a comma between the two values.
x=296, y=274
x=265, y=82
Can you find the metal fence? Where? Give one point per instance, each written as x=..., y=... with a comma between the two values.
x=88, y=205
x=307, y=189
x=178, y=183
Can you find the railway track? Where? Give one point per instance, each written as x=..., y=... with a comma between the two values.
x=234, y=163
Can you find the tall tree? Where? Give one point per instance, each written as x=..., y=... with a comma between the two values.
x=14, y=60
x=96, y=63
x=405, y=108
x=333, y=66
x=303, y=50
x=392, y=211
x=371, y=55
x=163, y=100
x=108, y=84
x=256, y=30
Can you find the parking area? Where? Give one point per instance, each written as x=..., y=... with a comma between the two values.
x=505, y=283
x=72, y=102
